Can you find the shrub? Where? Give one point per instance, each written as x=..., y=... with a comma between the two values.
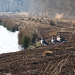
x=28, y=36
x=9, y=24
x=3, y=22
x=73, y=24
x=26, y=42
x=52, y=22
x=34, y=37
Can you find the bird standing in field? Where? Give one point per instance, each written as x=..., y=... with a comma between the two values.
x=54, y=41
x=43, y=42
x=61, y=39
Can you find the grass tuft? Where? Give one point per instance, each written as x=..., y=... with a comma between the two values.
x=27, y=36
x=48, y=53
x=52, y=22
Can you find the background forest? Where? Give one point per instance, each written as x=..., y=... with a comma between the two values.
x=39, y=7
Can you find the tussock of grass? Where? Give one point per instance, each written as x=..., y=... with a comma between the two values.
x=73, y=24
x=58, y=16
x=9, y=24
x=38, y=44
x=48, y=53
x=28, y=36
x=52, y=22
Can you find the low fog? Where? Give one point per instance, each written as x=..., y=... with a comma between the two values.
x=40, y=7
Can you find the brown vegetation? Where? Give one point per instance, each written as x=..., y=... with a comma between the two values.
x=48, y=53
x=9, y=24
x=58, y=16
x=49, y=60
x=28, y=36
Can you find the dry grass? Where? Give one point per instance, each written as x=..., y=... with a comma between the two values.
x=73, y=24
x=52, y=22
x=48, y=53
x=50, y=60
x=29, y=35
x=59, y=67
x=9, y=24
x=58, y=16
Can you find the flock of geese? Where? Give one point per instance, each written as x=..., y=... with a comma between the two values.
x=59, y=39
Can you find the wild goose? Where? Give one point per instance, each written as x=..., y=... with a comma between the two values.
x=43, y=42
x=54, y=41
x=61, y=39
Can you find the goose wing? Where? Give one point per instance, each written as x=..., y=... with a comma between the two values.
x=63, y=39
x=44, y=42
x=55, y=41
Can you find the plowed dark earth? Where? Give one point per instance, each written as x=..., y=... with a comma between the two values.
x=59, y=61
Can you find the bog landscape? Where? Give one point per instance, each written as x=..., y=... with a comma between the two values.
x=41, y=53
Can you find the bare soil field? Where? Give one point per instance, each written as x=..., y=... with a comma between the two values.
x=56, y=59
